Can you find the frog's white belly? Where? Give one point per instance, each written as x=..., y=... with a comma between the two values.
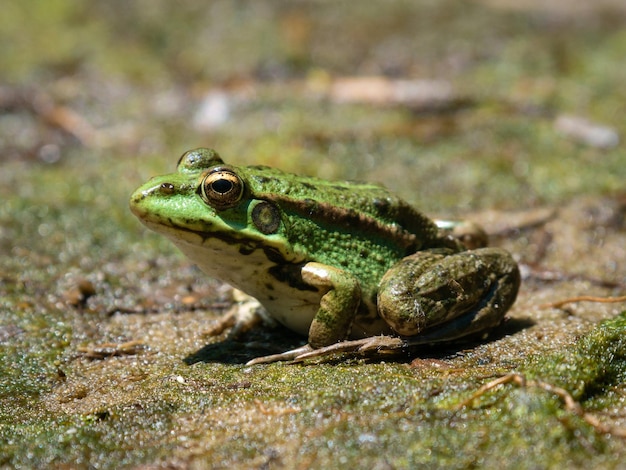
x=293, y=307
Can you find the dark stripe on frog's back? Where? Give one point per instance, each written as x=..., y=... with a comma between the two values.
x=361, y=224
x=366, y=209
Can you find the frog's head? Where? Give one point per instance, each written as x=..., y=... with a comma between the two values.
x=207, y=201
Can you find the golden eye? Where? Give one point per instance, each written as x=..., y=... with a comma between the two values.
x=221, y=189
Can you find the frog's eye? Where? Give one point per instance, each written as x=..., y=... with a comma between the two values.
x=221, y=189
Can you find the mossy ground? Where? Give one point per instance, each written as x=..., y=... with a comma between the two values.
x=97, y=97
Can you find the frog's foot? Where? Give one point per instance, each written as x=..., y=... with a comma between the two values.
x=246, y=314
x=377, y=344
x=471, y=235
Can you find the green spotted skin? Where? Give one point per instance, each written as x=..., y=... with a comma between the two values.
x=315, y=252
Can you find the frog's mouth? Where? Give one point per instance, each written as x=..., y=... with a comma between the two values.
x=230, y=255
x=223, y=241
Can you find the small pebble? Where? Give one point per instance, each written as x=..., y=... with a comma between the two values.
x=586, y=132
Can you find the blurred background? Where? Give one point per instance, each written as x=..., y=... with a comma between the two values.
x=454, y=104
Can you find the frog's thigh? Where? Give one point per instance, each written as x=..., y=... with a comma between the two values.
x=341, y=294
x=459, y=294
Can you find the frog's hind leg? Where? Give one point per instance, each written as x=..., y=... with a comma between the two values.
x=434, y=296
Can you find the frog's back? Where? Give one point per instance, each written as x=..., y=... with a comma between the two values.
x=361, y=227
x=351, y=205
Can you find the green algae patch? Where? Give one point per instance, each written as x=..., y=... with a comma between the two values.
x=591, y=367
x=123, y=410
x=543, y=414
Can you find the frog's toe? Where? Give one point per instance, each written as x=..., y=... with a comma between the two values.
x=293, y=354
x=381, y=343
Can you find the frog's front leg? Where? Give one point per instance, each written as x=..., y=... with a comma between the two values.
x=436, y=296
x=341, y=295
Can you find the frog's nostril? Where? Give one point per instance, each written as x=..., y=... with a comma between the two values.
x=166, y=188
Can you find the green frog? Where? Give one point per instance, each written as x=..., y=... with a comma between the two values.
x=347, y=264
